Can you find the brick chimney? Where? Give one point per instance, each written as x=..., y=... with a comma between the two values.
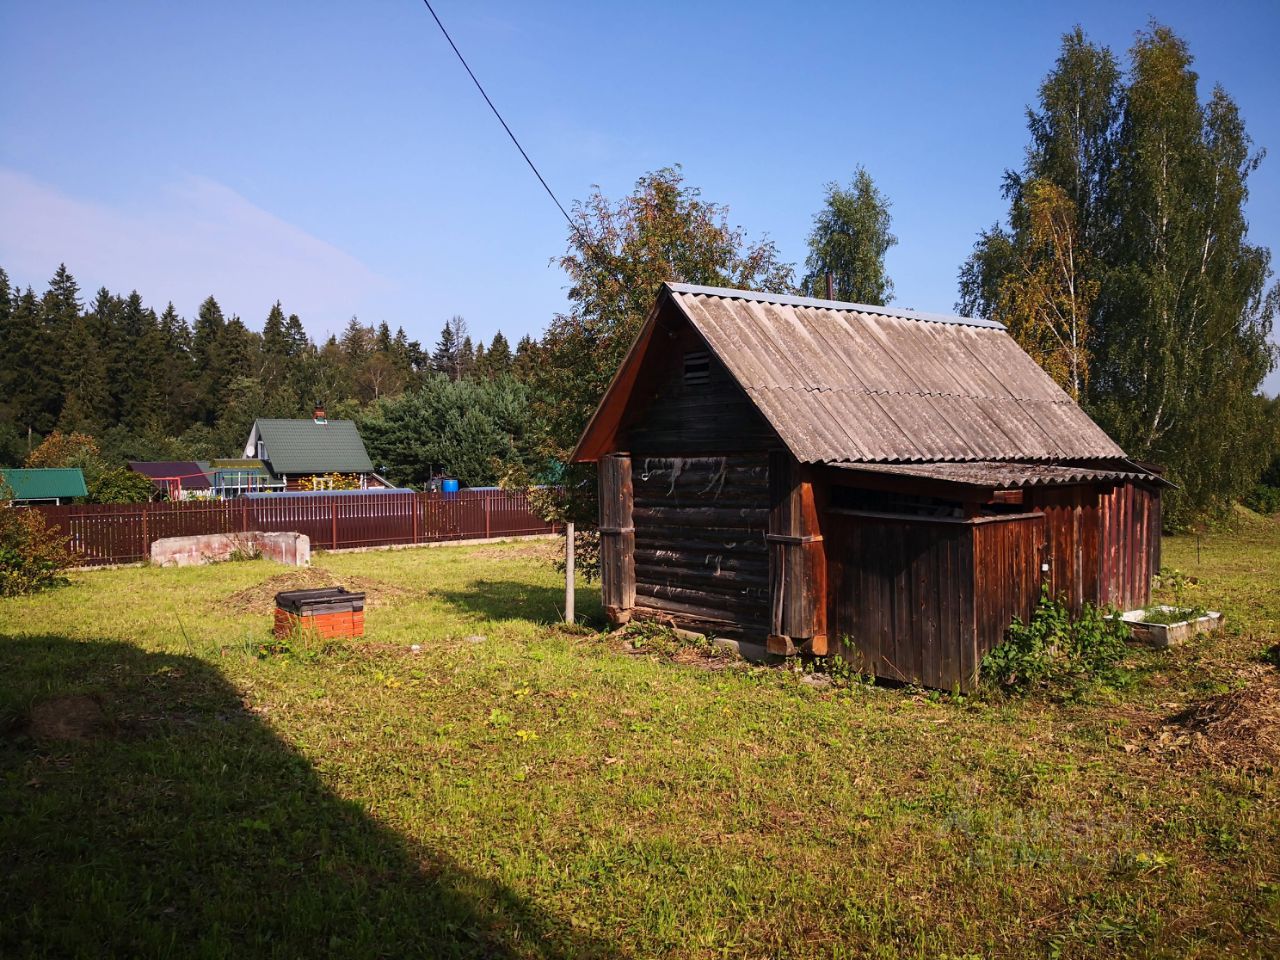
x=318, y=416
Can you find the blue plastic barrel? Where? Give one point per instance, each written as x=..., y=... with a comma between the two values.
x=449, y=486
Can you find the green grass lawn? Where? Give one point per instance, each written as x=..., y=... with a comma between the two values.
x=541, y=792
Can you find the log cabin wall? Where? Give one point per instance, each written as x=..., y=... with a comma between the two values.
x=700, y=553
x=699, y=454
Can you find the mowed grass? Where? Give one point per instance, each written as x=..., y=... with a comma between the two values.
x=542, y=793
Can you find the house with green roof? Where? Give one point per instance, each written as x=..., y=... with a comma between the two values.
x=303, y=454
x=44, y=485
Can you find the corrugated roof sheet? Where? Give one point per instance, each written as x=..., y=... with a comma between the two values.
x=304, y=446
x=1002, y=475
x=45, y=483
x=843, y=382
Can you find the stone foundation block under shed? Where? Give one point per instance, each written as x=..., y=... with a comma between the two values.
x=293, y=549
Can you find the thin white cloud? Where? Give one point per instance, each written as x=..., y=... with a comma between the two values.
x=186, y=241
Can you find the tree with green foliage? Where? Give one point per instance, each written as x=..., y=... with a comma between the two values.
x=1185, y=314
x=525, y=359
x=851, y=235
x=466, y=358
x=88, y=370
x=1179, y=307
x=1046, y=285
x=497, y=358
x=148, y=387
x=473, y=430
x=619, y=254
x=33, y=553
x=137, y=357
x=176, y=374
x=119, y=485
x=9, y=435
x=449, y=356
x=275, y=348
x=205, y=338
x=356, y=341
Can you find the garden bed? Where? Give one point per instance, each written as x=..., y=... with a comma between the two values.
x=1167, y=626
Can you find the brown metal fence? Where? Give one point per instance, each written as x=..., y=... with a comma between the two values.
x=123, y=533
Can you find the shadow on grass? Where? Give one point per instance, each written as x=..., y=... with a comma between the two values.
x=179, y=824
x=521, y=600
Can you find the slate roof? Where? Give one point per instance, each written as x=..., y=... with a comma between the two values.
x=846, y=383
x=45, y=483
x=304, y=446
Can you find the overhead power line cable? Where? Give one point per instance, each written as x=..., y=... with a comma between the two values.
x=590, y=249
x=523, y=153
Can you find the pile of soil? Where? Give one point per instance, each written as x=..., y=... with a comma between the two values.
x=1240, y=729
x=261, y=597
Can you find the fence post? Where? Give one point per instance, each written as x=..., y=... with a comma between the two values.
x=334, y=528
x=244, y=514
x=146, y=544
x=486, y=514
x=568, y=573
x=417, y=505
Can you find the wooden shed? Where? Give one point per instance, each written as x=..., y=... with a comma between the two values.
x=811, y=476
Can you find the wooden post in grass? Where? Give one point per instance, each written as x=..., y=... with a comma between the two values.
x=568, y=573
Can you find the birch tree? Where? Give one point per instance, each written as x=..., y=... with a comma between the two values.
x=1127, y=225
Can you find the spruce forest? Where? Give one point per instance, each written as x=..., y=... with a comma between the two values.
x=1123, y=267
x=153, y=386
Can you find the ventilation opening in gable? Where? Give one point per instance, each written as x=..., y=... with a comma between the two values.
x=697, y=367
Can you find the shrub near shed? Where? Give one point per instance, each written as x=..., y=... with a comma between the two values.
x=32, y=555
x=1054, y=647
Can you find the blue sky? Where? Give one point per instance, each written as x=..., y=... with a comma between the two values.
x=335, y=155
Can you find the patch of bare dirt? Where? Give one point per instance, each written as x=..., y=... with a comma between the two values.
x=1239, y=729
x=66, y=718
x=261, y=597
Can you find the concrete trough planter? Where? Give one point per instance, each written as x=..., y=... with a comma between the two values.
x=1169, y=634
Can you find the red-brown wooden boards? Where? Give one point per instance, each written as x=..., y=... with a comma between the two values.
x=617, y=537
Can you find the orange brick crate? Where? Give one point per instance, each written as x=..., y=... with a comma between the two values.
x=329, y=613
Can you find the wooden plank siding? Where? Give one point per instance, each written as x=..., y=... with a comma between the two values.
x=1129, y=544
x=797, y=559
x=1103, y=542
x=672, y=415
x=1007, y=554
x=617, y=537
x=922, y=600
